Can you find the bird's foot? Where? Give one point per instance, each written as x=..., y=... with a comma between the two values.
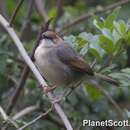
x=47, y=89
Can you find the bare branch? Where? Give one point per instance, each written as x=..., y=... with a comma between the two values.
x=36, y=119
x=6, y=118
x=26, y=28
x=15, y=12
x=3, y=8
x=93, y=63
x=4, y=115
x=88, y=15
x=25, y=111
x=11, y=78
x=33, y=68
x=59, y=13
x=16, y=94
x=40, y=6
x=116, y=106
x=25, y=73
x=36, y=107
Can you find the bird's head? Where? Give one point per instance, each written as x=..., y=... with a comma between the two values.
x=51, y=38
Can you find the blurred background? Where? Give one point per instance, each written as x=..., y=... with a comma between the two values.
x=97, y=29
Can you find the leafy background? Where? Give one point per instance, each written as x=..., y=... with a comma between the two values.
x=104, y=38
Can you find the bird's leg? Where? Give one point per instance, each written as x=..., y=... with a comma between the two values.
x=47, y=89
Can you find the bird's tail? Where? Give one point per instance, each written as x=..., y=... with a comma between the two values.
x=107, y=79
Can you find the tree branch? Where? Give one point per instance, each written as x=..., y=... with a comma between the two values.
x=36, y=119
x=25, y=111
x=40, y=7
x=116, y=106
x=60, y=11
x=87, y=16
x=15, y=12
x=4, y=115
x=16, y=94
x=6, y=118
x=24, y=76
x=38, y=108
x=25, y=73
x=26, y=29
x=33, y=68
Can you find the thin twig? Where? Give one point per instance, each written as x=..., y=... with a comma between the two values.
x=11, y=78
x=15, y=12
x=116, y=106
x=36, y=107
x=4, y=115
x=35, y=71
x=87, y=16
x=59, y=13
x=25, y=111
x=55, y=120
x=3, y=7
x=16, y=94
x=93, y=63
x=40, y=7
x=25, y=29
x=6, y=118
x=36, y=119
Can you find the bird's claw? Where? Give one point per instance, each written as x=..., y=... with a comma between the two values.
x=47, y=89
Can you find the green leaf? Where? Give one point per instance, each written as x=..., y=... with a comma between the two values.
x=128, y=26
x=120, y=26
x=93, y=92
x=96, y=54
x=122, y=76
x=86, y=36
x=127, y=37
x=116, y=35
x=31, y=83
x=95, y=49
x=86, y=40
x=107, y=44
x=52, y=12
x=84, y=50
x=118, y=47
x=126, y=70
x=108, y=23
x=98, y=23
x=3, y=39
x=70, y=40
x=81, y=43
x=93, y=46
x=106, y=32
x=71, y=10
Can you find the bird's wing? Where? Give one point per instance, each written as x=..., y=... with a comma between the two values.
x=68, y=56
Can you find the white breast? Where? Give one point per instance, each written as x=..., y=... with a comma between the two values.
x=42, y=54
x=50, y=66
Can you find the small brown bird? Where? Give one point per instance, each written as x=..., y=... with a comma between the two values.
x=60, y=64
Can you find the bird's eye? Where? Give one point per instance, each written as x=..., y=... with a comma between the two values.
x=46, y=37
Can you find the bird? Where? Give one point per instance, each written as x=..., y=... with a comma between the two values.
x=60, y=64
